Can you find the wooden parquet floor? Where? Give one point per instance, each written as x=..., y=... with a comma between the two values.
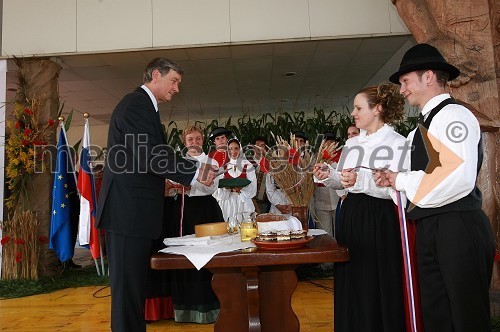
x=87, y=309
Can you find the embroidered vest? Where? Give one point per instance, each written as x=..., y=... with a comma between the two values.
x=425, y=158
x=243, y=174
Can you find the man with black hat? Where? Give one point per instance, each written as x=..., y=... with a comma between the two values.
x=219, y=137
x=454, y=241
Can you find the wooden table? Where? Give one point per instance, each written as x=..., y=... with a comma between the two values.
x=255, y=286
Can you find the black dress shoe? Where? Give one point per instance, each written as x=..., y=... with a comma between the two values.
x=72, y=264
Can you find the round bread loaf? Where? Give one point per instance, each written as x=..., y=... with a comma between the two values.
x=210, y=229
x=264, y=217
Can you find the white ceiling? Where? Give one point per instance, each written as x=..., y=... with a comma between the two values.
x=233, y=80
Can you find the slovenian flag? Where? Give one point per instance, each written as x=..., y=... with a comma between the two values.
x=87, y=234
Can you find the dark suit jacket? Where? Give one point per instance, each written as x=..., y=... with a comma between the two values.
x=137, y=163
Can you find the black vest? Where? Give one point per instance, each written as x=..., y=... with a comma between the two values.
x=422, y=154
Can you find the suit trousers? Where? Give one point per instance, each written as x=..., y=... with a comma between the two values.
x=128, y=259
x=455, y=252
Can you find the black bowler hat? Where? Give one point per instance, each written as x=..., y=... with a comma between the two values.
x=218, y=132
x=300, y=134
x=424, y=57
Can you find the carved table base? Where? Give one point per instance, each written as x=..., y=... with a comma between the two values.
x=256, y=298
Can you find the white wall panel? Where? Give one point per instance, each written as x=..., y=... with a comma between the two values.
x=269, y=19
x=66, y=26
x=349, y=17
x=397, y=24
x=190, y=22
x=38, y=27
x=114, y=24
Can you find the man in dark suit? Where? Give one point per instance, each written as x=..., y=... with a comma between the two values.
x=130, y=205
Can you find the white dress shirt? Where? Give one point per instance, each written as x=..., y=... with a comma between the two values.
x=383, y=149
x=455, y=128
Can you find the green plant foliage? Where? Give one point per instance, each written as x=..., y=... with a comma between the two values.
x=282, y=123
x=70, y=278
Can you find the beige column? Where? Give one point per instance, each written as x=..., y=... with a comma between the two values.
x=41, y=77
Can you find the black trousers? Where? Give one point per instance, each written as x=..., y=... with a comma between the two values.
x=128, y=259
x=455, y=252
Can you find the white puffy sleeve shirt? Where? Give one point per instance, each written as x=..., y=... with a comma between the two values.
x=456, y=131
x=383, y=149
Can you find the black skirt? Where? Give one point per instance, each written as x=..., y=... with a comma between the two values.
x=192, y=294
x=369, y=287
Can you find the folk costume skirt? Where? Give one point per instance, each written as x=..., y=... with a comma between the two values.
x=192, y=294
x=368, y=288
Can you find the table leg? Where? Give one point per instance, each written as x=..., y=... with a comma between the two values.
x=255, y=298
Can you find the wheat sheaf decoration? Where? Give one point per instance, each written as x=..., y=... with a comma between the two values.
x=290, y=166
x=21, y=246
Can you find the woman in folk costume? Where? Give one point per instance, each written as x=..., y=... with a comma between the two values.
x=218, y=151
x=369, y=288
x=234, y=199
x=192, y=296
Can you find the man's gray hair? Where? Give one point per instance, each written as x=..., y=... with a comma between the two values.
x=163, y=65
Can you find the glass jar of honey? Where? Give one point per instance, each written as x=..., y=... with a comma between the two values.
x=248, y=227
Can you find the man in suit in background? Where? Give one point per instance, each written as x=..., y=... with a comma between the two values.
x=130, y=205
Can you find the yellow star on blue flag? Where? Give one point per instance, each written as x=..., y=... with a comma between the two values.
x=64, y=183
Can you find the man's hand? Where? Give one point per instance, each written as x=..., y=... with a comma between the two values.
x=385, y=178
x=174, y=187
x=206, y=174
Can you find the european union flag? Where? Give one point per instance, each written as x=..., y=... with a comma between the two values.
x=64, y=184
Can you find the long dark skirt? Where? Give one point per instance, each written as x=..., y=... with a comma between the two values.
x=192, y=294
x=368, y=288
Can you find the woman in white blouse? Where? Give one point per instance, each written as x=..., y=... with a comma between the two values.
x=237, y=200
x=368, y=288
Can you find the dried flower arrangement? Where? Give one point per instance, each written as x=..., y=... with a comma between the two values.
x=291, y=169
x=24, y=148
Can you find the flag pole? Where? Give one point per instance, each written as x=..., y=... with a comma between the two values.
x=86, y=140
x=61, y=124
x=73, y=167
x=86, y=116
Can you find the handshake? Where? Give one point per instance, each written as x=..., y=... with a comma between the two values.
x=206, y=174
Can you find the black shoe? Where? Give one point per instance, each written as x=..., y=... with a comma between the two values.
x=69, y=264
x=72, y=264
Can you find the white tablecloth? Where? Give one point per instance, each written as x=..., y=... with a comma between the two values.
x=200, y=255
x=200, y=252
